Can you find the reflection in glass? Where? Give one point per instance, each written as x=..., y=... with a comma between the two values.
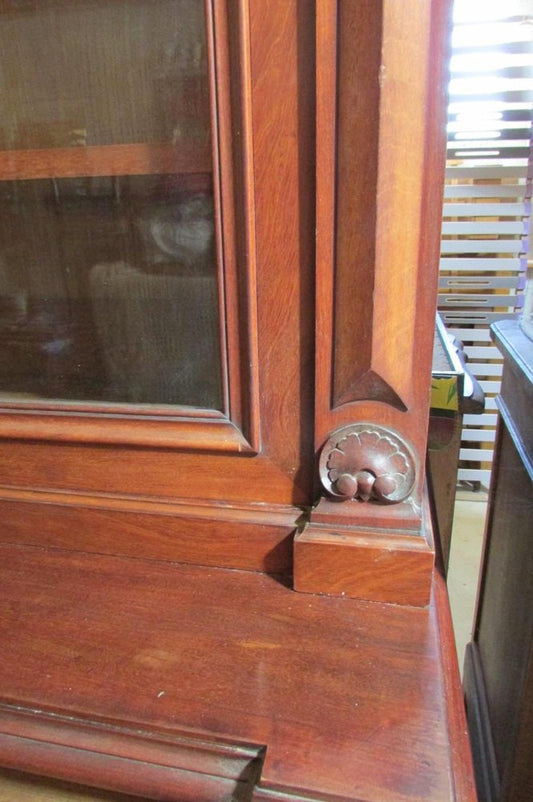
x=100, y=73
x=108, y=281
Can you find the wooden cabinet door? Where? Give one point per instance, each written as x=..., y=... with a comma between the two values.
x=186, y=367
x=157, y=260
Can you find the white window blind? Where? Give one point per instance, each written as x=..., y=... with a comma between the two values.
x=487, y=203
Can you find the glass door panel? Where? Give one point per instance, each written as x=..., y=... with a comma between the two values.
x=108, y=275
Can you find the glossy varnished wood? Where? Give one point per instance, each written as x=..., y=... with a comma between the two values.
x=152, y=640
x=246, y=536
x=349, y=698
x=260, y=449
x=401, y=234
x=377, y=262
x=359, y=43
x=395, y=569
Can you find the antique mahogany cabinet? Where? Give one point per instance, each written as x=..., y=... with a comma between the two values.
x=219, y=238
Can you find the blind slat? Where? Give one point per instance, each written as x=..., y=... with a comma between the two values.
x=478, y=435
x=495, y=227
x=483, y=246
x=474, y=301
x=471, y=335
x=479, y=282
x=480, y=352
x=501, y=209
x=479, y=420
x=455, y=317
x=476, y=454
x=484, y=369
x=485, y=264
x=474, y=475
x=484, y=190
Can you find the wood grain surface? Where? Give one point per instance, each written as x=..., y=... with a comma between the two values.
x=349, y=698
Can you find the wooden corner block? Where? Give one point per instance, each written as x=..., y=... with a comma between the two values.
x=364, y=564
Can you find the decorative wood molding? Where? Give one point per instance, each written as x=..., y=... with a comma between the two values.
x=366, y=556
x=131, y=760
x=209, y=431
x=378, y=218
x=370, y=565
x=367, y=462
x=252, y=537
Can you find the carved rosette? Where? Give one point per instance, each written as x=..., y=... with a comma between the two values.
x=367, y=462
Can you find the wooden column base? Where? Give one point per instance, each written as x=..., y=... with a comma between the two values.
x=376, y=566
x=368, y=552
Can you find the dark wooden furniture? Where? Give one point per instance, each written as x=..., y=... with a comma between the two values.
x=498, y=668
x=454, y=392
x=218, y=573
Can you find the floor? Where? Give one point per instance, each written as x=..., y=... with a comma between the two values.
x=465, y=559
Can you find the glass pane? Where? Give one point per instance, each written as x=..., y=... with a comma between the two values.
x=100, y=72
x=108, y=279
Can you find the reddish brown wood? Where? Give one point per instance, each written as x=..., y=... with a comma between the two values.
x=97, y=160
x=391, y=373
x=365, y=562
x=163, y=430
x=168, y=473
x=282, y=92
x=252, y=537
x=361, y=565
x=382, y=270
x=230, y=105
x=460, y=753
x=355, y=169
x=134, y=658
x=253, y=242
x=358, y=689
x=367, y=463
x=156, y=765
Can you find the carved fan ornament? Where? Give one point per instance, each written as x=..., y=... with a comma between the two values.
x=367, y=462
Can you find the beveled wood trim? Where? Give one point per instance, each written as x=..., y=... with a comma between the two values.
x=363, y=565
x=205, y=434
x=229, y=35
x=326, y=133
x=193, y=767
x=250, y=537
x=249, y=512
x=358, y=92
x=363, y=557
x=98, y=160
x=176, y=474
x=270, y=793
